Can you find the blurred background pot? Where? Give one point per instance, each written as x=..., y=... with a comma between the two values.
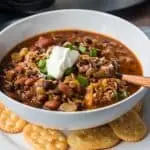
x=25, y=6
x=102, y=5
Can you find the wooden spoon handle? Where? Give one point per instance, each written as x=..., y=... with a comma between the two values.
x=137, y=80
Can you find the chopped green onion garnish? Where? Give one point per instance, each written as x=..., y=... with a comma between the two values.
x=82, y=80
x=82, y=49
x=70, y=46
x=42, y=66
x=68, y=71
x=93, y=52
x=122, y=95
x=49, y=77
x=41, y=63
x=43, y=70
x=115, y=95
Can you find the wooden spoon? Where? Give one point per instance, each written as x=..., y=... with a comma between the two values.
x=137, y=80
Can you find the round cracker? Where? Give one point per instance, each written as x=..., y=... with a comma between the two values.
x=94, y=138
x=45, y=139
x=2, y=106
x=9, y=122
x=129, y=127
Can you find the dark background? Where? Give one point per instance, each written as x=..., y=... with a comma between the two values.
x=139, y=15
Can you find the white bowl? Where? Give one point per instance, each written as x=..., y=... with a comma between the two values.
x=98, y=22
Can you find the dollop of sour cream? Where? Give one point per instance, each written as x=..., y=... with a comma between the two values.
x=60, y=59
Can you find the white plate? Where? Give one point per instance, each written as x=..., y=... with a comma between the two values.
x=17, y=142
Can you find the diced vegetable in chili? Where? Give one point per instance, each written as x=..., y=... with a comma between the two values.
x=70, y=46
x=82, y=80
x=49, y=77
x=121, y=95
x=42, y=66
x=93, y=52
x=43, y=70
x=82, y=49
x=68, y=71
x=42, y=63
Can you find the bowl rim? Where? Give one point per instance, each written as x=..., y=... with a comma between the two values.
x=140, y=90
